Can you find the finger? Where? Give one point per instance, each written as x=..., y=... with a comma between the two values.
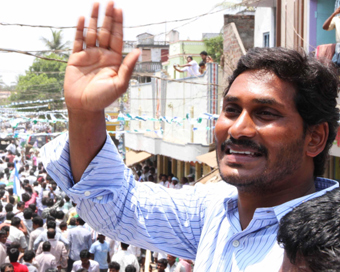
x=91, y=35
x=105, y=31
x=126, y=69
x=116, y=41
x=79, y=39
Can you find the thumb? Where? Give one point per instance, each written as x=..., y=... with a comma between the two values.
x=126, y=68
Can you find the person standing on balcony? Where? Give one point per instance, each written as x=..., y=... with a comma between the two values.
x=191, y=67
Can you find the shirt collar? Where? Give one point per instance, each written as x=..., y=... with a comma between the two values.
x=322, y=185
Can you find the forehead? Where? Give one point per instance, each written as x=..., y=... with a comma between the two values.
x=260, y=84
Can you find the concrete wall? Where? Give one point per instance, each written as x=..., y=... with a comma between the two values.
x=233, y=49
x=156, y=54
x=264, y=22
x=176, y=99
x=245, y=28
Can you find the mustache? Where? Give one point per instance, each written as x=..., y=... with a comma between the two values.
x=258, y=148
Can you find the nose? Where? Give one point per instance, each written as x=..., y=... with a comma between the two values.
x=243, y=126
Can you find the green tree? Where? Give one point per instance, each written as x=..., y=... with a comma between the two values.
x=43, y=80
x=214, y=47
x=56, y=43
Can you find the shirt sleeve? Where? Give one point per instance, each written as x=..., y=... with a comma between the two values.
x=92, y=249
x=332, y=24
x=113, y=203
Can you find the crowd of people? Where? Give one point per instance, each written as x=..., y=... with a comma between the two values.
x=41, y=231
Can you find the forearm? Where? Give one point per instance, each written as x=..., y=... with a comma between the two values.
x=87, y=134
x=328, y=22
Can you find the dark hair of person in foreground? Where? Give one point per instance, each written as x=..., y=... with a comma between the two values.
x=310, y=233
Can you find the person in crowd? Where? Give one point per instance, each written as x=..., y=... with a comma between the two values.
x=80, y=239
x=175, y=184
x=13, y=254
x=202, y=68
x=114, y=267
x=58, y=249
x=50, y=224
x=124, y=258
x=173, y=265
x=15, y=234
x=28, y=222
x=205, y=57
x=6, y=267
x=191, y=67
x=29, y=255
x=45, y=259
x=130, y=268
x=37, y=225
x=278, y=121
x=100, y=252
x=20, y=210
x=310, y=235
x=164, y=181
x=162, y=264
x=3, y=247
x=85, y=262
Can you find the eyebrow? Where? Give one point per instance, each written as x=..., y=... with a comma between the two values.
x=263, y=101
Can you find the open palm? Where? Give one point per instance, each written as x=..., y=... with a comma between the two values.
x=95, y=76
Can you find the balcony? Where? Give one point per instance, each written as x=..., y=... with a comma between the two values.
x=148, y=67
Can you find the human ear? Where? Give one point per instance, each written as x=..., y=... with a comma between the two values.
x=318, y=136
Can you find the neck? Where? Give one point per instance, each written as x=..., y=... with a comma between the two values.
x=285, y=191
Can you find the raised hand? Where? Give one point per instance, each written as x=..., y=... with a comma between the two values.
x=95, y=76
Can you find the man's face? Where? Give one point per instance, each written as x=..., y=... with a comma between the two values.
x=160, y=267
x=9, y=269
x=169, y=178
x=3, y=239
x=84, y=261
x=101, y=238
x=163, y=178
x=259, y=133
x=189, y=59
x=171, y=259
x=204, y=57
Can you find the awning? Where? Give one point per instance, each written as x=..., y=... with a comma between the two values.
x=209, y=159
x=133, y=157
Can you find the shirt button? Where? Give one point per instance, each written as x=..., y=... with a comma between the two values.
x=236, y=243
x=87, y=193
x=99, y=197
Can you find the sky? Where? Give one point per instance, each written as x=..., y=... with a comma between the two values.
x=66, y=13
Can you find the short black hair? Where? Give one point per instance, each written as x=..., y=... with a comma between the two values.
x=84, y=254
x=311, y=232
x=204, y=53
x=202, y=63
x=189, y=57
x=13, y=254
x=25, y=197
x=49, y=202
x=3, y=232
x=114, y=265
x=20, y=204
x=32, y=206
x=10, y=215
x=2, y=193
x=51, y=233
x=38, y=221
x=29, y=255
x=46, y=246
x=15, y=221
x=124, y=246
x=9, y=207
x=63, y=224
x=5, y=265
x=80, y=221
x=164, y=262
x=28, y=213
x=60, y=215
x=130, y=268
x=51, y=224
x=316, y=86
x=11, y=198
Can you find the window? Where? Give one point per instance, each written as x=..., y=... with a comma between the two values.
x=266, y=39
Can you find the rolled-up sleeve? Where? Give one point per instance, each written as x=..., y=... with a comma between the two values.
x=113, y=203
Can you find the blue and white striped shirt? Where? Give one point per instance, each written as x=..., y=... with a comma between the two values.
x=199, y=222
